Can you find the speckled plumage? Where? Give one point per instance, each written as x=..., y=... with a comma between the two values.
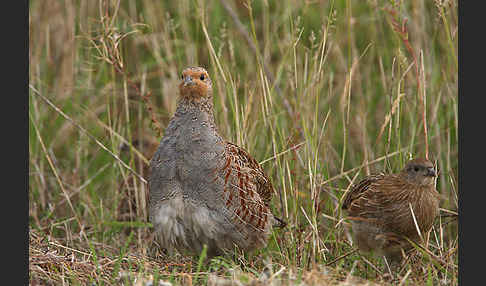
x=203, y=189
x=379, y=207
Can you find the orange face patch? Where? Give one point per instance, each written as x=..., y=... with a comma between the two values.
x=195, y=82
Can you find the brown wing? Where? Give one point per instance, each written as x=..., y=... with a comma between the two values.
x=383, y=200
x=247, y=189
x=264, y=187
x=359, y=190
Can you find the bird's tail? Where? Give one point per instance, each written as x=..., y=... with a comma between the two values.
x=280, y=223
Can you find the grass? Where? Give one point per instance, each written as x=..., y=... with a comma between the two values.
x=320, y=92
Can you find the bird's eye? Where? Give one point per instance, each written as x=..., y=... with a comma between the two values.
x=202, y=77
x=416, y=169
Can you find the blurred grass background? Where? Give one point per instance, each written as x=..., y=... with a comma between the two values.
x=320, y=92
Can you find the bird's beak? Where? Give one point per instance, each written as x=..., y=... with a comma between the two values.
x=431, y=172
x=188, y=81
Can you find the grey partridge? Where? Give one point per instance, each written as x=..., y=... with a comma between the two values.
x=380, y=209
x=204, y=190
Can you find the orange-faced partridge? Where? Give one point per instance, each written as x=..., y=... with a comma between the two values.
x=382, y=209
x=203, y=189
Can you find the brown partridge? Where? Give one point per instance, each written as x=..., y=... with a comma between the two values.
x=204, y=190
x=380, y=209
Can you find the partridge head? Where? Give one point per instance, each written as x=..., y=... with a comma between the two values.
x=419, y=172
x=195, y=83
